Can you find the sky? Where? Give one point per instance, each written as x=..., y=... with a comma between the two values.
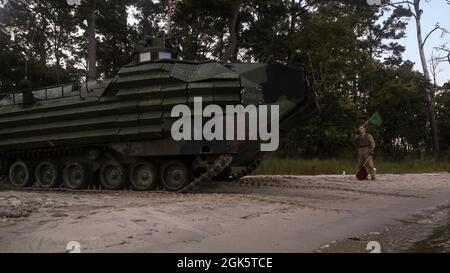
x=433, y=12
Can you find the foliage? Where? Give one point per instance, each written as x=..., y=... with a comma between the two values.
x=334, y=166
x=349, y=49
x=443, y=102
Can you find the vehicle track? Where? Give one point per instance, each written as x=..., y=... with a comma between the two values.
x=219, y=165
x=288, y=183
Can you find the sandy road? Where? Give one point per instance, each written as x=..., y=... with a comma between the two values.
x=256, y=214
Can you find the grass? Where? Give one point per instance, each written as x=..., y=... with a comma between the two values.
x=337, y=166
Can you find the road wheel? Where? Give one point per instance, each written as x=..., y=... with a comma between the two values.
x=76, y=175
x=113, y=175
x=175, y=175
x=21, y=174
x=48, y=174
x=143, y=176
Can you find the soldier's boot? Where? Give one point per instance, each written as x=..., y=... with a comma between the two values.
x=373, y=174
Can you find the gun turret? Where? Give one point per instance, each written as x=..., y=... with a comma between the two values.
x=152, y=49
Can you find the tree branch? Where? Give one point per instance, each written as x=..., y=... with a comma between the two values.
x=444, y=58
x=431, y=32
x=397, y=5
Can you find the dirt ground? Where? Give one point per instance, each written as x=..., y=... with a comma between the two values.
x=255, y=214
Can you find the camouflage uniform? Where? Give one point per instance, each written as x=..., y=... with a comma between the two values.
x=366, y=148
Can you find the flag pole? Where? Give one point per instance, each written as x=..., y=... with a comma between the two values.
x=364, y=125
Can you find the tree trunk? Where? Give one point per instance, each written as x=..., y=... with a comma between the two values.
x=293, y=15
x=42, y=48
x=57, y=48
x=115, y=61
x=92, y=48
x=58, y=65
x=429, y=92
x=169, y=19
x=231, y=48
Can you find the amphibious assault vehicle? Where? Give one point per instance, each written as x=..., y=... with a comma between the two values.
x=116, y=133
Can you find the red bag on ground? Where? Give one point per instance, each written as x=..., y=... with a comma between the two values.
x=362, y=173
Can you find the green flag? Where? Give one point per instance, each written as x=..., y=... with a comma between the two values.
x=376, y=120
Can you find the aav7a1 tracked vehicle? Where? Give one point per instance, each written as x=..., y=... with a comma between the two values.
x=116, y=133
